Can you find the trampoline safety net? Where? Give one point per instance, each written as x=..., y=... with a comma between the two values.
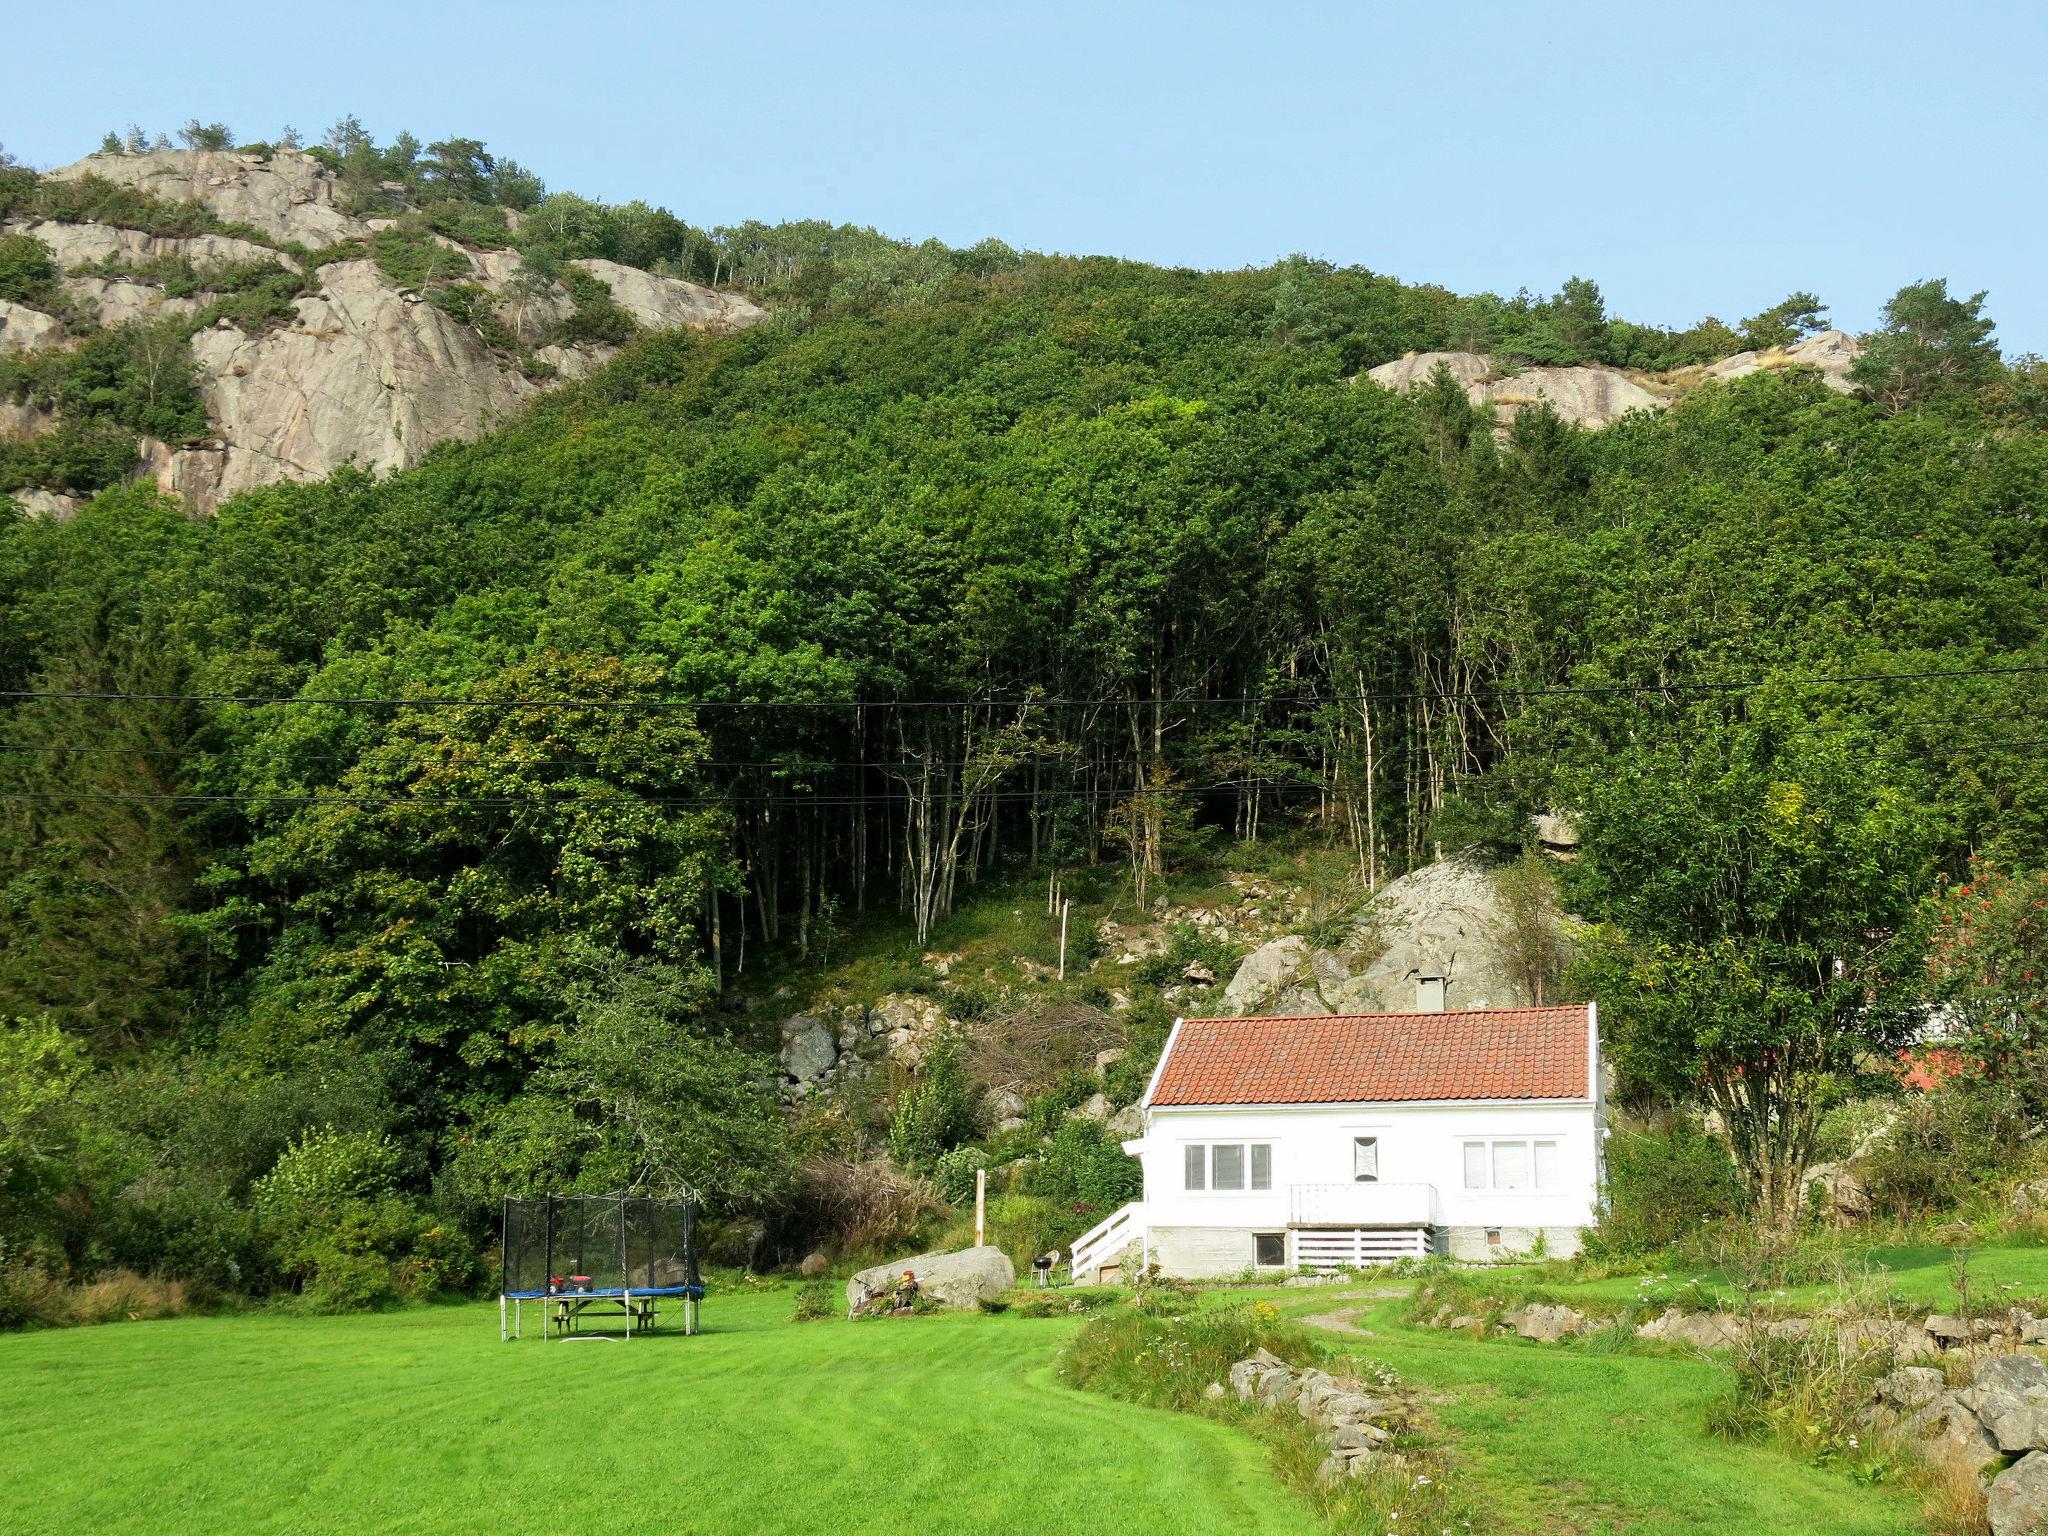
x=557, y=1243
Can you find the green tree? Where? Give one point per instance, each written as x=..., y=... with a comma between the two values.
x=1755, y=882
x=198, y=135
x=1931, y=348
x=1796, y=316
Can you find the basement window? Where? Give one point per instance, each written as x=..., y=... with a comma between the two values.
x=1269, y=1249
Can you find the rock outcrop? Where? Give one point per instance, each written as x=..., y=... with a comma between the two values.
x=367, y=371
x=1595, y=396
x=961, y=1280
x=288, y=196
x=22, y=328
x=1446, y=919
x=368, y=374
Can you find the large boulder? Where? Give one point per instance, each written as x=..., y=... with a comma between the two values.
x=1546, y=1324
x=23, y=329
x=1830, y=353
x=669, y=303
x=78, y=245
x=1694, y=1330
x=808, y=1049
x=1446, y=919
x=2009, y=1393
x=1590, y=396
x=2017, y=1500
x=960, y=1279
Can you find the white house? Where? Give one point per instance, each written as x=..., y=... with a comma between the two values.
x=1342, y=1139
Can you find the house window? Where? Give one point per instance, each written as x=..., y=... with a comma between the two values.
x=1511, y=1164
x=1365, y=1159
x=1269, y=1249
x=1227, y=1166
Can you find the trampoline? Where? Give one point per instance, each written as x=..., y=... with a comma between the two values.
x=592, y=1258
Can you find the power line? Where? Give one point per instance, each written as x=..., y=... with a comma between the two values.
x=1048, y=702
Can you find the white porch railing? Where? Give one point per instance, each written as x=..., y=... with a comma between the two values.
x=1331, y=1248
x=1361, y=1205
x=1105, y=1240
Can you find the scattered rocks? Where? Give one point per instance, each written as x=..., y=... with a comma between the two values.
x=1357, y=1424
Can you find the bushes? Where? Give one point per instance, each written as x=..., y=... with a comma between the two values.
x=1085, y=1170
x=27, y=274
x=954, y=1173
x=1166, y=1364
x=818, y=1297
x=596, y=317
x=409, y=255
x=853, y=1207
x=935, y=1116
x=337, y=1227
x=1663, y=1186
x=32, y=1298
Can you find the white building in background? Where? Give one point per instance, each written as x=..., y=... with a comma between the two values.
x=1336, y=1140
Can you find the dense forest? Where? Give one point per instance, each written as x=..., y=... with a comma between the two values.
x=399, y=838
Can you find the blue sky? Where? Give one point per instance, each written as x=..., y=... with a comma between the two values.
x=1693, y=159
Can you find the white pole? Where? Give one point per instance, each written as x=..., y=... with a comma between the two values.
x=1066, y=907
x=980, y=1205
x=501, y=1319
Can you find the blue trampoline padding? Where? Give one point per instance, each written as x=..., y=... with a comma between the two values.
x=599, y=1293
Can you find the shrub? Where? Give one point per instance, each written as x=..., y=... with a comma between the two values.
x=954, y=1173
x=1046, y=1112
x=853, y=1207
x=27, y=274
x=1166, y=1364
x=1084, y=1169
x=936, y=1115
x=596, y=318
x=327, y=1167
x=1663, y=1186
x=816, y=1298
x=409, y=255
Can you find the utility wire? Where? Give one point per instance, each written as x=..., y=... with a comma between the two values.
x=1636, y=690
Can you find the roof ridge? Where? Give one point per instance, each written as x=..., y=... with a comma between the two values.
x=1390, y=1013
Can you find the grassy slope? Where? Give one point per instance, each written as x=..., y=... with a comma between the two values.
x=423, y=1422
x=1557, y=1439
x=1916, y=1277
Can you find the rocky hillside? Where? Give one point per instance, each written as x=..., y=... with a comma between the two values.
x=385, y=339
x=1596, y=397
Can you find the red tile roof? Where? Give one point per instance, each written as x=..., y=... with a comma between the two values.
x=1378, y=1058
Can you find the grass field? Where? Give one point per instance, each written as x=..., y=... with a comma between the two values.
x=421, y=1421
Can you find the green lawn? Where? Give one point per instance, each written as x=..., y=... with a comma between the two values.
x=422, y=1422
x=1916, y=1277
x=1555, y=1438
